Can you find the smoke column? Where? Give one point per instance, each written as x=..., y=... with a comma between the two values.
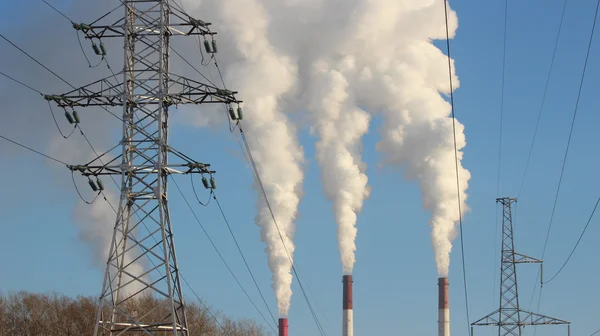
x=402, y=78
x=333, y=57
x=262, y=78
x=340, y=126
x=379, y=55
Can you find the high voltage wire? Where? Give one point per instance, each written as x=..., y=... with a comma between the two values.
x=242, y=254
x=218, y=252
x=537, y=124
x=257, y=177
x=589, y=47
x=33, y=150
x=572, y=125
x=233, y=236
x=19, y=82
x=503, y=81
x=35, y=60
x=577, y=243
x=59, y=12
x=502, y=98
x=462, y=243
x=264, y=193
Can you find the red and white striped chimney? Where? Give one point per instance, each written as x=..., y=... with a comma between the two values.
x=444, y=308
x=283, y=327
x=348, y=321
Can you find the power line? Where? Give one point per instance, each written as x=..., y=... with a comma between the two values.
x=572, y=125
x=33, y=150
x=462, y=244
x=597, y=331
x=19, y=82
x=35, y=60
x=503, y=81
x=259, y=181
x=59, y=12
x=502, y=98
x=576, y=244
x=562, y=16
x=242, y=254
x=264, y=193
x=219, y=252
x=190, y=64
x=201, y=302
x=589, y=47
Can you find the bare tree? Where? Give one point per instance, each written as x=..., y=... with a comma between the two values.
x=29, y=314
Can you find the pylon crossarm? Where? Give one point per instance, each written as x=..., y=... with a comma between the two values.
x=488, y=320
x=172, y=169
x=185, y=25
x=103, y=92
x=530, y=318
x=106, y=93
x=524, y=259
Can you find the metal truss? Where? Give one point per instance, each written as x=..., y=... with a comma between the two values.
x=510, y=318
x=109, y=92
x=142, y=264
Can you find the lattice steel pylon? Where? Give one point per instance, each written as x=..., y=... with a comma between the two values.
x=510, y=318
x=142, y=264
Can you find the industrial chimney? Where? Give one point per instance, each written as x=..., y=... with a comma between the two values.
x=283, y=327
x=348, y=322
x=444, y=308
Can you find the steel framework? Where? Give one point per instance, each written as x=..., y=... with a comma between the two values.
x=510, y=318
x=142, y=265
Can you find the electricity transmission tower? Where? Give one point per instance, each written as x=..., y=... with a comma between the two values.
x=142, y=264
x=510, y=318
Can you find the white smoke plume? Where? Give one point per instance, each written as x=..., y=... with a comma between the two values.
x=340, y=125
x=262, y=78
x=417, y=132
x=378, y=55
x=335, y=57
x=96, y=221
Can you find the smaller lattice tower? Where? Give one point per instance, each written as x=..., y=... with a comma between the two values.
x=510, y=318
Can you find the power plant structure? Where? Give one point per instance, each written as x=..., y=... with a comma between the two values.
x=510, y=318
x=283, y=327
x=142, y=261
x=347, y=321
x=443, y=307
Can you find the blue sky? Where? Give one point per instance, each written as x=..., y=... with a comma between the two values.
x=395, y=274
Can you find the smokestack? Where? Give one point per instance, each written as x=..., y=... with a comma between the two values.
x=444, y=308
x=348, y=322
x=283, y=327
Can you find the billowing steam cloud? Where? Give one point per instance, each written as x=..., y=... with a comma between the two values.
x=262, y=78
x=340, y=126
x=97, y=221
x=406, y=75
x=338, y=58
x=373, y=54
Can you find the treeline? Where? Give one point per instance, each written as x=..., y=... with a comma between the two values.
x=31, y=314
